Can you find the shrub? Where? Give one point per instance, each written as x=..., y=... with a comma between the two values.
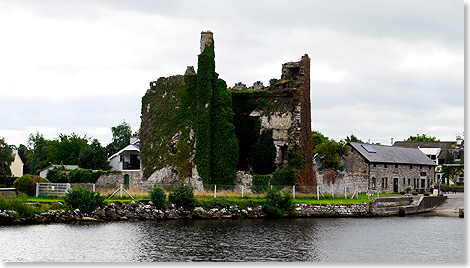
x=83, y=199
x=260, y=183
x=402, y=192
x=182, y=196
x=81, y=175
x=286, y=176
x=158, y=197
x=57, y=176
x=414, y=193
x=18, y=204
x=426, y=193
x=279, y=203
x=27, y=184
x=459, y=183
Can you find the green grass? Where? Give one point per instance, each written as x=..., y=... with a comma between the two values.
x=208, y=201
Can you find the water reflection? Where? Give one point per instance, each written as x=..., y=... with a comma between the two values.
x=408, y=239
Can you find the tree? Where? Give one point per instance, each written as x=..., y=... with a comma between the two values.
x=353, y=138
x=93, y=157
x=66, y=149
x=264, y=154
x=422, y=137
x=5, y=159
x=329, y=155
x=38, y=156
x=121, y=138
x=317, y=139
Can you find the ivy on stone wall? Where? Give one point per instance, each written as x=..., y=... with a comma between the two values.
x=164, y=131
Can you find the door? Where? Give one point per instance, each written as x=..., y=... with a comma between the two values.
x=126, y=181
x=395, y=185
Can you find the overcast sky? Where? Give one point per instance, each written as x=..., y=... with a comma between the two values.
x=379, y=69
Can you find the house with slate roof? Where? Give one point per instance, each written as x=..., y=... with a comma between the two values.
x=449, y=153
x=390, y=169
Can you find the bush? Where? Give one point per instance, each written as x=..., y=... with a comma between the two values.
x=57, y=176
x=83, y=199
x=426, y=193
x=158, y=197
x=402, y=192
x=414, y=193
x=182, y=196
x=459, y=183
x=279, y=203
x=284, y=177
x=27, y=184
x=18, y=204
x=81, y=175
x=260, y=183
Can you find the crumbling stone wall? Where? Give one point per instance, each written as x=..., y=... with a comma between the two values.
x=285, y=108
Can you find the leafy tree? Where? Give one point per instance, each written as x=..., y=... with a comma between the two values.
x=422, y=137
x=329, y=154
x=451, y=172
x=121, y=138
x=353, y=138
x=264, y=154
x=39, y=155
x=5, y=159
x=317, y=139
x=66, y=149
x=93, y=157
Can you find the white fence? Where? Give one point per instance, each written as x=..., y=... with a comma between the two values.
x=59, y=189
x=52, y=189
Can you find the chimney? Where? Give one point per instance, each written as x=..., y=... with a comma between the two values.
x=207, y=38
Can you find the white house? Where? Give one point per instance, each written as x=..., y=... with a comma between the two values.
x=128, y=158
x=43, y=172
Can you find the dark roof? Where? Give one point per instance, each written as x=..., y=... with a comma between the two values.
x=392, y=155
x=444, y=145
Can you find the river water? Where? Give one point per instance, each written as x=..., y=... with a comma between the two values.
x=390, y=239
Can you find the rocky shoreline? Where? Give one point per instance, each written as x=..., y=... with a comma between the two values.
x=386, y=206
x=145, y=212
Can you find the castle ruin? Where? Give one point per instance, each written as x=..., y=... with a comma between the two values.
x=185, y=130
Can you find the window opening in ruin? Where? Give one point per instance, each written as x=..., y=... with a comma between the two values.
x=283, y=153
x=173, y=149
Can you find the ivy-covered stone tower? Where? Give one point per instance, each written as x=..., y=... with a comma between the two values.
x=187, y=130
x=194, y=129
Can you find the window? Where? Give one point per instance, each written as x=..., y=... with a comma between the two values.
x=409, y=181
x=368, y=148
x=373, y=183
x=396, y=165
x=384, y=182
x=404, y=182
x=385, y=165
x=374, y=165
x=422, y=174
x=411, y=166
x=429, y=167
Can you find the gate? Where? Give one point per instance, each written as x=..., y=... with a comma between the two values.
x=52, y=189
